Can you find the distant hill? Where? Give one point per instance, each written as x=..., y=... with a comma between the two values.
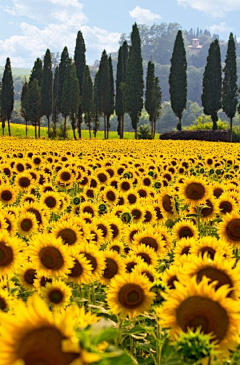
x=16, y=71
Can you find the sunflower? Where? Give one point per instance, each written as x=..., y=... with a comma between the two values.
x=3, y=222
x=208, y=210
x=116, y=227
x=102, y=176
x=184, y=229
x=218, y=189
x=27, y=224
x=116, y=246
x=146, y=253
x=197, y=305
x=229, y=229
x=23, y=181
x=226, y=204
x=132, y=196
x=150, y=214
x=10, y=253
x=113, y=266
x=166, y=203
x=147, y=270
x=81, y=271
x=88, y=207
x=95, y=259
x=35, y=335
x=27, y=274
x=68, y=232
x=131, y=262
x=150, y=238
x=125, y=185
x=110, y=195
x=11, y=222
x=64, y=177
x=41, y=213
x=194, y=190
x=82, y=319
x=211, y=245
x=171, y=275
x=50, y=256
x=51, y=201
x=7, y=301
x=217, y=270
x=138, y=212
x=183, y=247
x=56, y=294
x=104, y=226
x=130, y=232
x=7, y=194
x=130, y=295
x=165, y=235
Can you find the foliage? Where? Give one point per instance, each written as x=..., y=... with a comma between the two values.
x=206, y=123
x=144, y=132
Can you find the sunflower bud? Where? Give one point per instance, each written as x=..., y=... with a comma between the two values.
x=76, y=200
x=126, y=217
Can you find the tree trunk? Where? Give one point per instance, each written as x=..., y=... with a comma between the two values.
x=79, y=125
x=231, y=123
x=105, y=135
x=26, y=128
x=136, y=133
x=108, y=118
x=64, y=127
x=9, y=130
x=121, y=126
x=39, y=129
x=179, y=126
x=3, y=126
x=48, y=121
x=89, y=128
x=35, y=130
x=74, y=131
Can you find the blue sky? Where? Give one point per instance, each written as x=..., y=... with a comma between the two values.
x=29, y=27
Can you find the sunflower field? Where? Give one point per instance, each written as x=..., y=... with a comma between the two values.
x=119, y=252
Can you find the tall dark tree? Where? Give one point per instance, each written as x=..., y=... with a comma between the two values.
x=178, y=79
x=70, y=99
x=24, y=96
x=212, y=83
x=96, y=103
x=55, y=101
x=230, y=87
x=104, y=88
x=7, y=94
x=34, y=104
x=64, y=68
x=47, y=88
x=37, y=71
x=111, y=94
x=134, y=79
x=80, y=62
x=150, y=93
x=120, y=105
x=157, y=104
x=87, y=99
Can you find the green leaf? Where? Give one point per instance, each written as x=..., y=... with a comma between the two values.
x=108, y=335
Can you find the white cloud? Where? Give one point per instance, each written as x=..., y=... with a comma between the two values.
x=143, y=16
x=55, y=28
x=213, y=8
x=220, y=28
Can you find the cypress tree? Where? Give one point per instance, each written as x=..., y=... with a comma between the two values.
x=24, y=103
x=96, y=105
x=178, y=79
x=7, y=95
x=134, y=79
x=55, y=101
x=80, y=62
x=1, y=116
x=111, y=94
x=47, y=88
x=103, y=88
x=230, y=87
x=37, y=71
x=120, y=106
x=157, y=104
x=70, y=98
x=64, y=67
x=87, y=99
x=212, y=83
x=149, y=94
x=34, y=103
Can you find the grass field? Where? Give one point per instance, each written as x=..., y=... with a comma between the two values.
x=18, y=130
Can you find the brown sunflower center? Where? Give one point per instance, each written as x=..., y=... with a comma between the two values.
x=26, y=224
x=185, y=250
x=130, y=266
x=132, y=234
x=51, y=258
x=147, y=216
x=6, y=254
x=55, y=296
x=203, y=312
x=211, y=252
x=103, y=228
x=158, y=212
x=233, y=229
x=111, y=268
x=136, y=213
x=30, y=276
x=65, y=176
x=102, y=177
x=195, y=191
x=36, y=213
x=131, y=296
x=132, y=198
x=167, y=204
x=146, y=258
x=89, y=210
x=3, y=304
x=68, y=236
x=77, y=270
x=125, y=186
x=215, y=275
x=149, y=276
x=171, y=282
x=111, y=196
x=217, y=192
x=34, y=348
x=225, y=207
x=150, y=241
x=116, y=248
x=114, y=229
x=185, y=232
x=50, y=202
x=24, y=182
x=206, y=211
x=6, y=195
x=92, y=260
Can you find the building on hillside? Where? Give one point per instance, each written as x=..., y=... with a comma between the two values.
x=195, y=46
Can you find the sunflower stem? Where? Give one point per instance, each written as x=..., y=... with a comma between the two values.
x=93, y=294
x=159, y=345
x=119, y=337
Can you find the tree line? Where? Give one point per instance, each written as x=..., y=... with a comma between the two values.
x=68, y=91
